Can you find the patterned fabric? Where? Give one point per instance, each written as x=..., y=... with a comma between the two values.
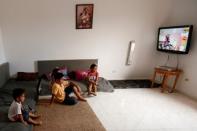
x=63, y=70
x=92, y=76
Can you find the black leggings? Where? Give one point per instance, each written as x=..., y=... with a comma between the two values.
x=69, y=100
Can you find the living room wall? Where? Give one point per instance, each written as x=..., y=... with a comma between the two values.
x=2, y=55
x=183, y=13
x=45, y=29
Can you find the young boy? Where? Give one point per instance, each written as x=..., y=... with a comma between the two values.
x=93, y=80
x=16, y=111
x=61, y=90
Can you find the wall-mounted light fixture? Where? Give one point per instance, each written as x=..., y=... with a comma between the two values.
x=130, y=52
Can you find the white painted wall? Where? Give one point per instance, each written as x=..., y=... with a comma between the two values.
x=45, y=29
x=2, y=54
x=185, y=12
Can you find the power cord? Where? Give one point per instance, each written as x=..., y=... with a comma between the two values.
x=177, y=64
x=168, y=58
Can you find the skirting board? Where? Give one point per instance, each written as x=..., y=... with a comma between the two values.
x=47, y=97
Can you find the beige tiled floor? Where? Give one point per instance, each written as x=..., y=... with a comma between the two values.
x=145, y=110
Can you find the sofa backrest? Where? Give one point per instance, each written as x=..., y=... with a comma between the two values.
x=46, y=66
x=4, y=73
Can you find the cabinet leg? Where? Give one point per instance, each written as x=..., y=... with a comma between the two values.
x=174, y=85
x=163, y=86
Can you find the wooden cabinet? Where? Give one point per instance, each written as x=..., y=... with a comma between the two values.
x=166, y=75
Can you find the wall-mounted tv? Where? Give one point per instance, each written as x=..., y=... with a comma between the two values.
x=175, y=39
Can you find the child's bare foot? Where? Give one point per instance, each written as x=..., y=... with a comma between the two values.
x=89, y=93
x=94, y=93
x=39, y=123
x=36, y=116
x=82, y=99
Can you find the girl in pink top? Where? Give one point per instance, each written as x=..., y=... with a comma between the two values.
x=92, y=80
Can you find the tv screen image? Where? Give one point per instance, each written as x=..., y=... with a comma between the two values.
x=174, y=39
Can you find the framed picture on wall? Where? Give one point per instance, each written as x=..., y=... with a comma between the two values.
x=84, y=16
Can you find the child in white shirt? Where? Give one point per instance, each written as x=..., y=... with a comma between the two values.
x=16, y=111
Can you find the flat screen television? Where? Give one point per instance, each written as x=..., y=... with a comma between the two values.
x=175, y=39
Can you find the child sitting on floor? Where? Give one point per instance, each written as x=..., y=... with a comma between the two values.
x=62, y=89
x=93, y=80
x=16, y=111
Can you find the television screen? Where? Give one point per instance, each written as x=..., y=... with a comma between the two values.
x=174, y=39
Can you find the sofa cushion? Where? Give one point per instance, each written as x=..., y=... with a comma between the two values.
x=103, y=85
x=15, y=126
x=29, y=86
x=27, y=76
x=6, y=125
x=81, y=74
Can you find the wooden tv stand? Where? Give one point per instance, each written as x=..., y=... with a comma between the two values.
x=166, y=74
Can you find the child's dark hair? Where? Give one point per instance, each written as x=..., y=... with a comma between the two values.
x=93, y=66
x=54, y=72
x=18, y=92
x=58, y=76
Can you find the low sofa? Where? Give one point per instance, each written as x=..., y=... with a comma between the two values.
x=6, y=87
